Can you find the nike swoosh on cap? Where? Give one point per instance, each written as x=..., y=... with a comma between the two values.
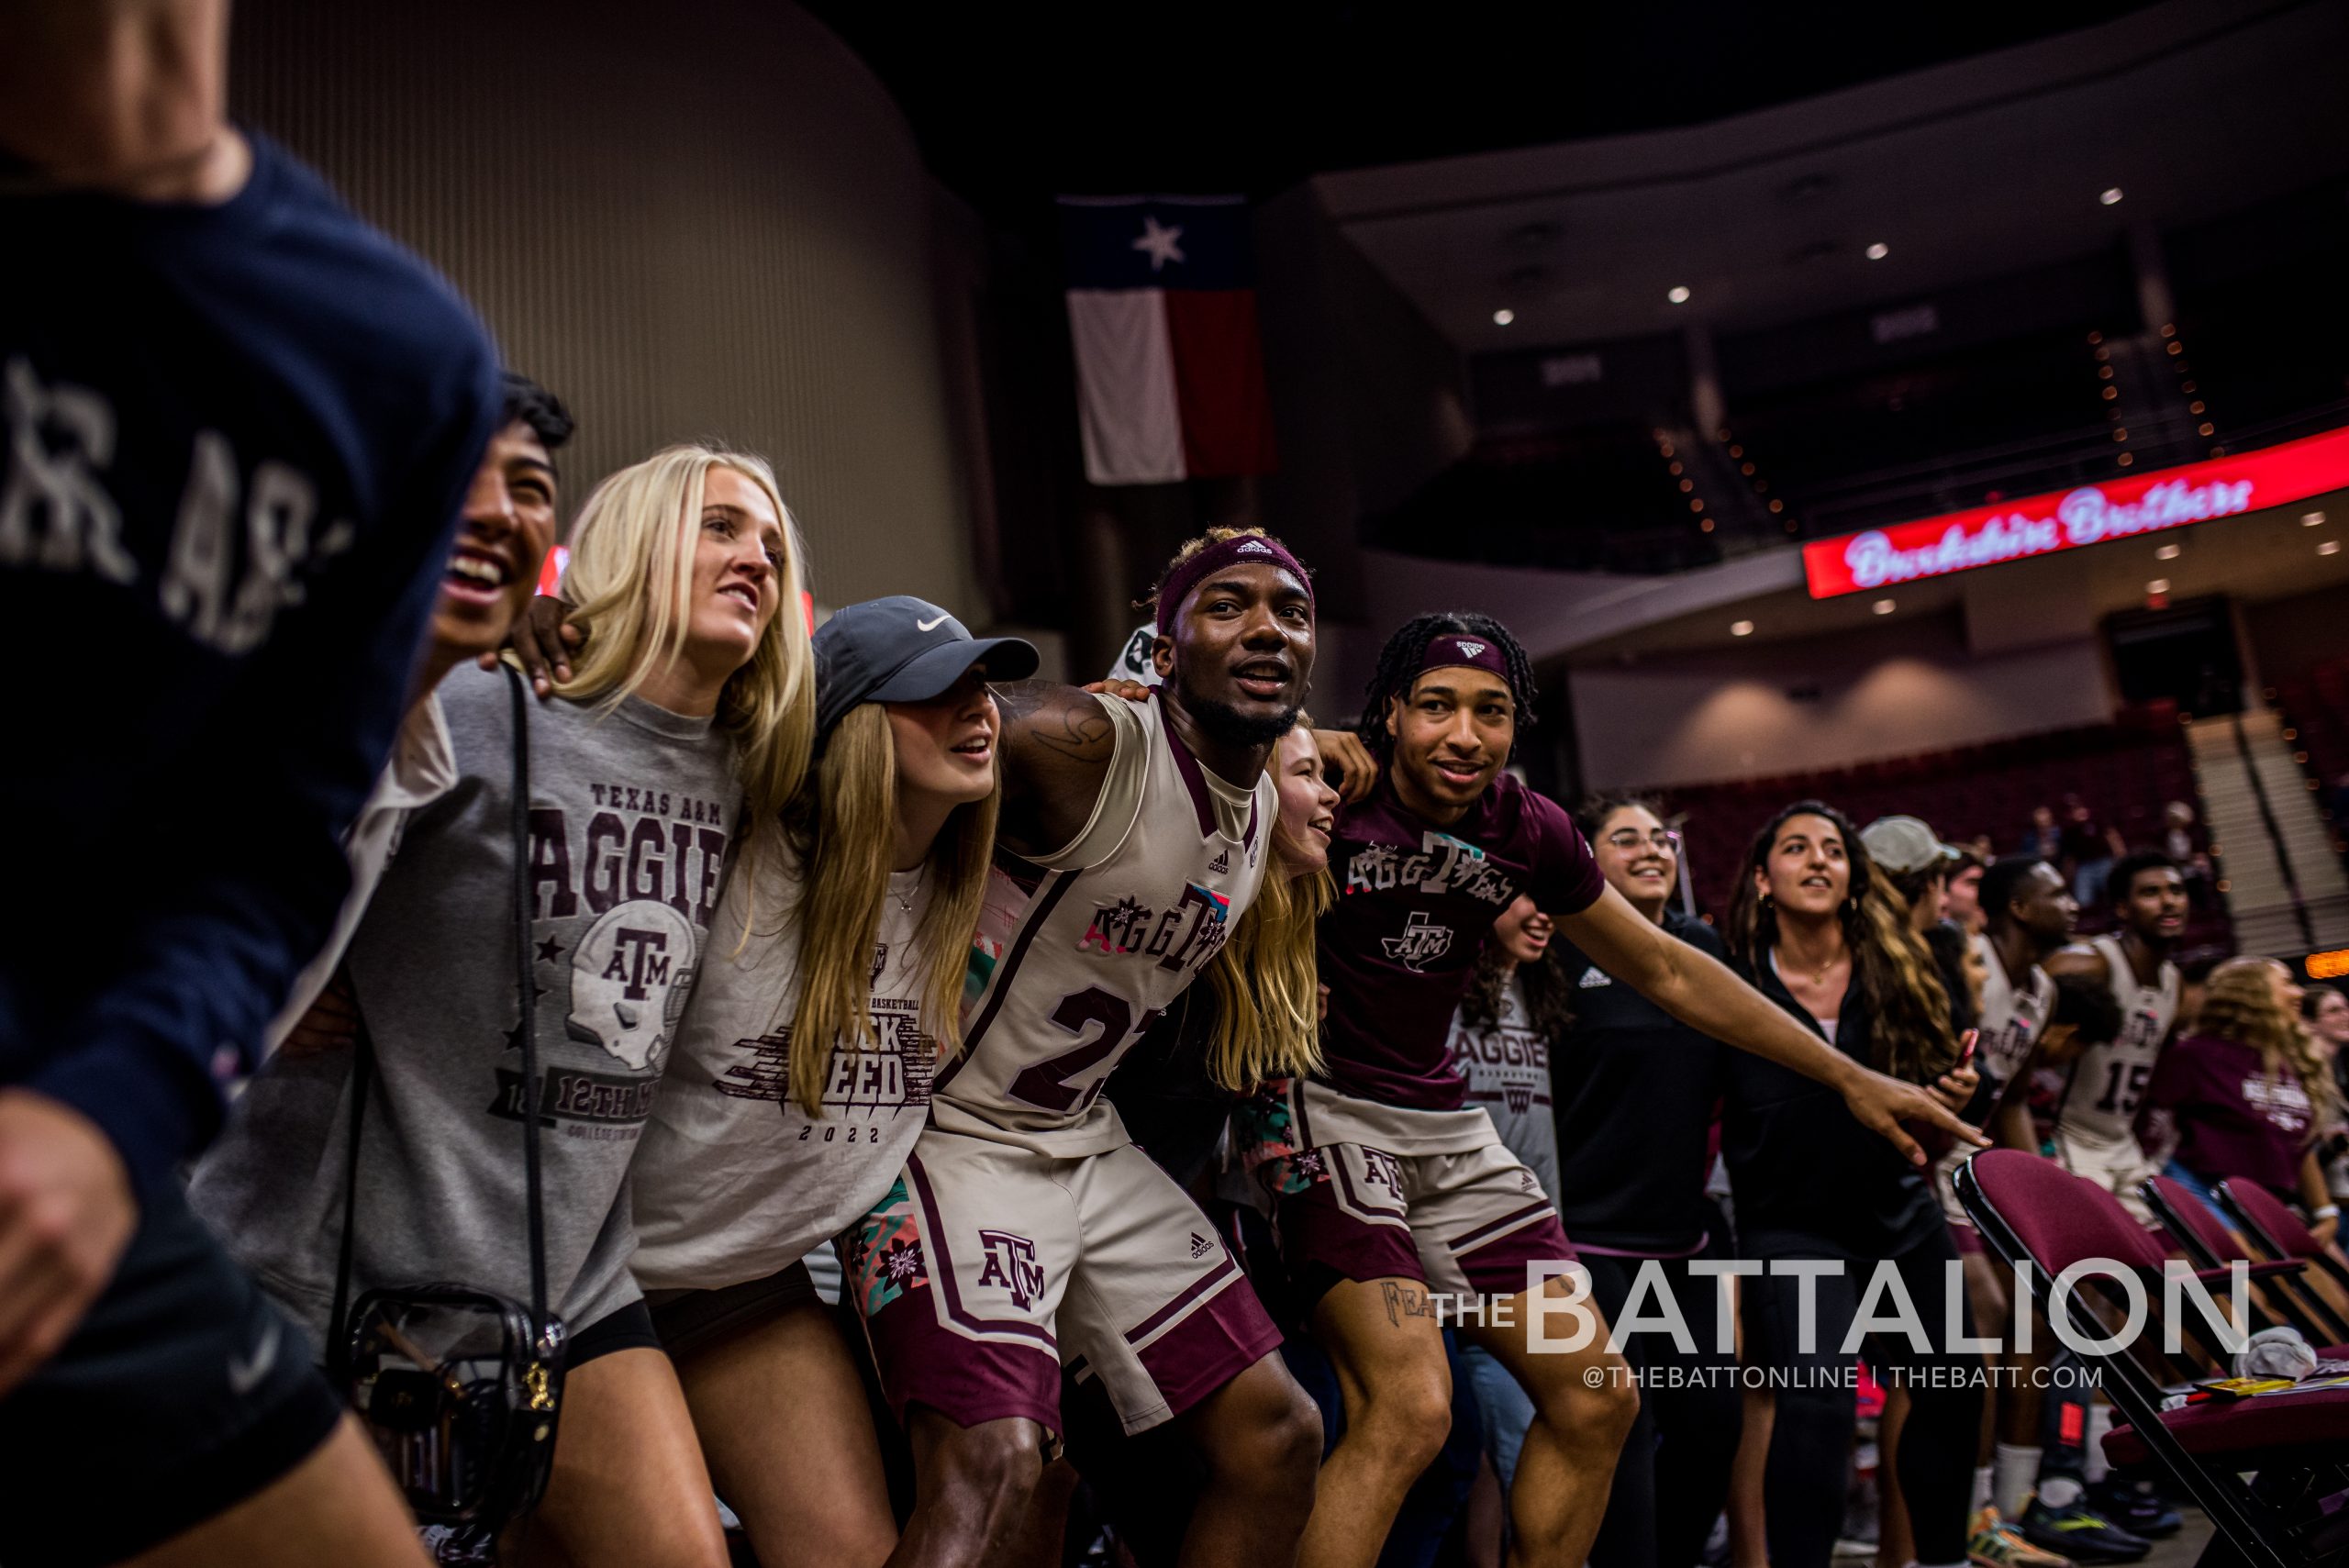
x=920, y=625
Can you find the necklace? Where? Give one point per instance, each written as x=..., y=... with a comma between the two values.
x=905, y=902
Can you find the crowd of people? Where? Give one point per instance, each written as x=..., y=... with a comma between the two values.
x=626, y=1076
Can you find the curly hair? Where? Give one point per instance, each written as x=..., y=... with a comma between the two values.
x=1549, y=997
x=1891, y=966
x=1398, y=666
x=2239, y=1004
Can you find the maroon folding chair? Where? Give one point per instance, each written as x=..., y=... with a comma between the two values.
x=2279, y=1233
x=2213, y=1248
x=2269, y=1472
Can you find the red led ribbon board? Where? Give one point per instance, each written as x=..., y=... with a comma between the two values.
x=2074, y=519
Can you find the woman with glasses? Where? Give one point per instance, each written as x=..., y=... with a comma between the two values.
x=1634, y=1091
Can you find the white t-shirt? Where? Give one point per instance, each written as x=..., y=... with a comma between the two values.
x=734, y=1180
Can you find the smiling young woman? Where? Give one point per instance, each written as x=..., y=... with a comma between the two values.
x=803, y=1068
x=691, y=704
x=1817, y=927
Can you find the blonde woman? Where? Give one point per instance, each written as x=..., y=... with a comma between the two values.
x=685, y=728
x=2247, y=1091
x=802, y=1072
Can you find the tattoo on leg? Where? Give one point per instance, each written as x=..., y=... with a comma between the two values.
x=1404, y=1300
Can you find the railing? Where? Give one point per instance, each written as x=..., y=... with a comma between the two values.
x=2030, y=466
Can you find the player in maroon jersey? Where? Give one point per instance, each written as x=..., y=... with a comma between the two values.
x=1395, y=1201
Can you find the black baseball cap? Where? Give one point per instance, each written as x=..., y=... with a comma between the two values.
x=902, y=648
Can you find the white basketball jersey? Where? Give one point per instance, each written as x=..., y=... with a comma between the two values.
x=1074, y=962
x=2013, y=1020
x=2108, y=1081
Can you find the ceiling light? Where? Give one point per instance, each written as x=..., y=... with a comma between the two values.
x=1740, y=628
x=2330, y=547
x=1882, y=607
x=2110, y=195
x=2310, y=519
x=1504, y=316
x=2166, y=552
x=1678, y=295
x=2158, y=586
x=1880, y=251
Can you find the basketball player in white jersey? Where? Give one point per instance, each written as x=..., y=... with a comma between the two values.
x=2028, y=915
x=2096, y=1134
x=1027, y=1231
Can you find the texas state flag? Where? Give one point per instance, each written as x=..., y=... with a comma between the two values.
x=1162, y=305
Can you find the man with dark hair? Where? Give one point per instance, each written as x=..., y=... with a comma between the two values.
x=1394, y=1193
x=239, y=423
x=1027, y=1232
x=2096, y=1137
x=2096, y=1116
x=503, y=533
x=2029, y=914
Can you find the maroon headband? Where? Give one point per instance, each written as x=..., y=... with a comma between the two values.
x=1453, y=649
x=1247, y=550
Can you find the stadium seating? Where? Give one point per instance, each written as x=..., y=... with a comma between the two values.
x=2126, y=772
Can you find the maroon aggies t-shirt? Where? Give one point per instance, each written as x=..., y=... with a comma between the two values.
x=2234, y=1119
x=1415, y=904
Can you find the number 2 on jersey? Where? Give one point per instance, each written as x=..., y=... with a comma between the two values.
x=1046, y=1083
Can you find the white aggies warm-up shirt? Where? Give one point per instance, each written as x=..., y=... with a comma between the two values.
x=735, y=1182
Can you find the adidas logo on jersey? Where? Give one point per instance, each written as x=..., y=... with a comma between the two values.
x=1594, y=978
x=1200, y=1245
x=1221, y=862
x=1473, y=649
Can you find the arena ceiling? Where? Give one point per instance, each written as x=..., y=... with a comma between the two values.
x=1571, y=165
x=1017, y=104
x=1970, y=168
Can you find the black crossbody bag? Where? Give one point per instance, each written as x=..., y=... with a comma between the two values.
x=460, y=1386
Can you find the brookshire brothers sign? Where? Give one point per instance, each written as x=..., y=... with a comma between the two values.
x=2071, y=519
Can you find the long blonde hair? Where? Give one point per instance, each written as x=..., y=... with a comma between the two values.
x=1266, y=981
x=2239, y=1004
x=843, y=822
x=630, y=583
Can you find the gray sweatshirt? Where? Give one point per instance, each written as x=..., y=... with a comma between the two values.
x=633, y=813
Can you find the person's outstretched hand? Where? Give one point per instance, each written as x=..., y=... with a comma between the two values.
x=1118, y=686
x=1881, y=1104
x=66, y=1213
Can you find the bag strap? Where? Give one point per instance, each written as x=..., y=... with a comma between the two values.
x=362, y=1069
x=362, y=1072
x=525, y=992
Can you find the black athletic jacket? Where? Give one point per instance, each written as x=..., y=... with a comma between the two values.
x=1803, y=1173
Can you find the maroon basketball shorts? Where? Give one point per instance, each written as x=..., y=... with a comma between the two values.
x=989, y=1266
x=1367, y=1191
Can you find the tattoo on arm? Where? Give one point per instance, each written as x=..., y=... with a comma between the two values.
x=1042, y=714
x=1406, y=1300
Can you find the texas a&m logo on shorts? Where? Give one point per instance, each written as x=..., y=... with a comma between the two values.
x=1011, y=1263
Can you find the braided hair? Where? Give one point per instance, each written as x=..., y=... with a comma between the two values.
x=1398, y=666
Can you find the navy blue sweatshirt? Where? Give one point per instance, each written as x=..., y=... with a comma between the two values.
x=237, y=440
